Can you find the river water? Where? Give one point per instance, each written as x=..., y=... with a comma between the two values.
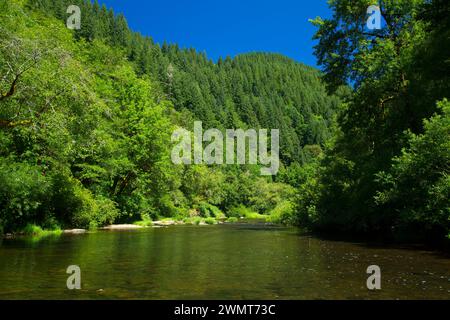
x=239, y=261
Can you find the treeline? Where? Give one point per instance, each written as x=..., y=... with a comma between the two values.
x=386, y=172
x=250, y=91
x=86, y=119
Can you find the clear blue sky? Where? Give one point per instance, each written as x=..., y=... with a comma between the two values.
x=228, y=27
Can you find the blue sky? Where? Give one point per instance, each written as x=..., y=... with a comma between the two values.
x=231, y=27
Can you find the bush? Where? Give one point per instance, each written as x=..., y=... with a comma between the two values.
x=232, y=220
x=267, y=195
x=308, y=193
x=32, y=229
x=418, y=184
x=93, y=212
x=36, y=231
x=144, y=223
x=210, y=221
x=244, y=212
x=238, y=212
x=208, y=210
x=283, y=213
x=193, y=220
x=24, y=195
x=167, y=208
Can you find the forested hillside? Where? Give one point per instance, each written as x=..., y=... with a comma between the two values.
x=87, y=117
x=255, y=90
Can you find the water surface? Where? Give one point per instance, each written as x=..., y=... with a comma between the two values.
x=241, y=261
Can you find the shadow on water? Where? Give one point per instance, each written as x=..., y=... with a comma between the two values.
x=258, y=226
x=374, y=241
x=362, y=241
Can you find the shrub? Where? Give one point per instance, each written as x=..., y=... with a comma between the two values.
x=208, y=210
x=283, y=213
x=93, y=212
x=267, y=195
x=418, y=184
x=36, y=231
x=239, y=212
x=193, y=220
x=144, y=223
x=24, y=194
x=167, y=208
x=210, y=221
x=31, y=229
x=244, y=212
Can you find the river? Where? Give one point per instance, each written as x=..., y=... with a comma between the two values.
x=236, y=261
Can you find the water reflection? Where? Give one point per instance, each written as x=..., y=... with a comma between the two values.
x=216, y=262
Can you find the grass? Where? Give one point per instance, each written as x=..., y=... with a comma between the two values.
x=210, y=221
x=256, y=216
x=239, y=212
x=144, y=223
x=36, y=231
x=244, y=212
x=199, y=220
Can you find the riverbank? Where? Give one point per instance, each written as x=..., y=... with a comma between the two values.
x=39, y=232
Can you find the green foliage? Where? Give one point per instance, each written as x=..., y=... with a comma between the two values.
x=283, y=213
x=267, y=195
x=93, y=213
x=23, y=192
x=244, y=212
x=36, y=231
x=193, y=221
x=86, y=134
x=419, y=180
x=208, y=210
x=210, y=220
x=81, y=134
x=255, y=90
x=374, y=179
x=144, y=223
x=201, y=184
x=239, y=212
